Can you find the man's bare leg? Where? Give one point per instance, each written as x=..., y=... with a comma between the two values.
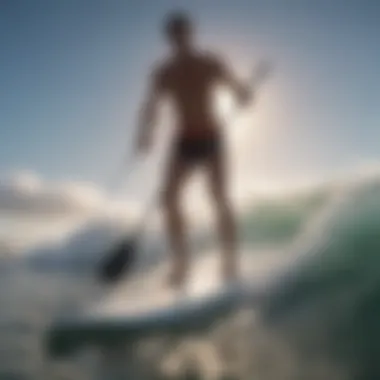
x=175, y=224
x=179, y=249
x=227, y=233
x=225, y=219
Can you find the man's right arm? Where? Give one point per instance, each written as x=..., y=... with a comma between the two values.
x=148, y=112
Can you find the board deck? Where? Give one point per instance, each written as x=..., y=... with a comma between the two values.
x=187, y=315
x=147, y=308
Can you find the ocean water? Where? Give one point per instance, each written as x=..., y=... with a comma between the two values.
x=317, y=253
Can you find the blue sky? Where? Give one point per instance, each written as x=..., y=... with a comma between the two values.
x=73, y=72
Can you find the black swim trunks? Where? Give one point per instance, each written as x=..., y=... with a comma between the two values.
x=197, y=150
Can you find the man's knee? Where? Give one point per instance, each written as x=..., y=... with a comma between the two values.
x=221, y=203
x=218, y=196
x=169, y=201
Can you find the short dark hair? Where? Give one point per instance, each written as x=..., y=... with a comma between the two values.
x=177, y=22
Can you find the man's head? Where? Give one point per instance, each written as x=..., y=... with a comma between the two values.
x=178, y=29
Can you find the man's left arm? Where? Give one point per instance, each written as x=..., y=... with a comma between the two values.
x=243, y=92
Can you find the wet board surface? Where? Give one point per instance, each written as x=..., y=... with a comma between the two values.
x=146, y=307
x=186, y=315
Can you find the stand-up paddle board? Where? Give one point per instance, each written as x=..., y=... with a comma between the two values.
x=126, y=316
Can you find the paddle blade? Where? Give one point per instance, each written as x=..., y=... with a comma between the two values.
x=118, y=261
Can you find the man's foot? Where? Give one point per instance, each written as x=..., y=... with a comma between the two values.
x=176, y=280
x=230, y=274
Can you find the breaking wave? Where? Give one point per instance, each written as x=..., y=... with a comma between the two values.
x=318, y=319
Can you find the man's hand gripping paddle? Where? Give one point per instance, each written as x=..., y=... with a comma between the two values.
x=123, y=255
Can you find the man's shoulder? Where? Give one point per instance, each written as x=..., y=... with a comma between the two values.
x=164, y=68
x=208, y=56
x=161, y=68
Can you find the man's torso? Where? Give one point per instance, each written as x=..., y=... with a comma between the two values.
x=190, y=83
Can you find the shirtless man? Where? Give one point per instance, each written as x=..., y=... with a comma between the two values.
x=188, y=78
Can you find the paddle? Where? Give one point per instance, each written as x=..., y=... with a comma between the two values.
x=122, y=257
